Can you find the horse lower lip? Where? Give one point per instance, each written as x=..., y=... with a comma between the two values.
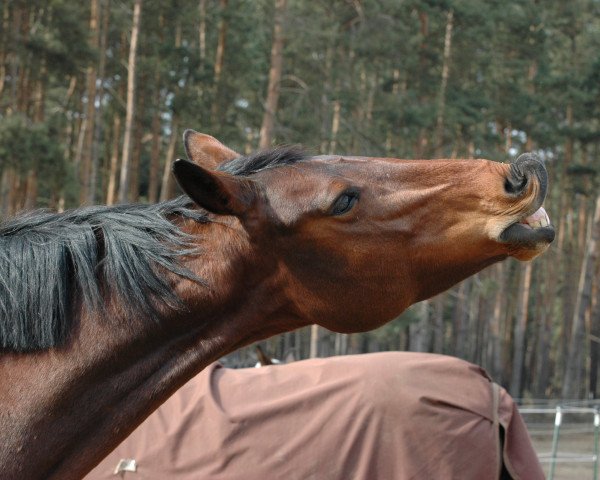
x=527, y=236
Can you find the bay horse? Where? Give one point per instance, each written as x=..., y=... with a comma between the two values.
x=106, y=311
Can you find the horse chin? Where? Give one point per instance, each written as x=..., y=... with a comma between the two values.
x=525, y=242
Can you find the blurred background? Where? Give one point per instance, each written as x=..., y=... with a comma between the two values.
x=94, y=98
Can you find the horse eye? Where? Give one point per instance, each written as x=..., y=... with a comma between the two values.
x=344, y=203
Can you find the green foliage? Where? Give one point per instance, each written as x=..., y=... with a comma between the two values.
x=25, y=145
x=62, y=38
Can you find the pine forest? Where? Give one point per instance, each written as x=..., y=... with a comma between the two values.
x=95, y=96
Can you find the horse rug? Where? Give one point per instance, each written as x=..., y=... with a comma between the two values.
x=392, y=415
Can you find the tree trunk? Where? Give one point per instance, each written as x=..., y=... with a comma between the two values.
x=460, y=319
x=168, y=183
x=268, y=122
x=326, y=92
x=595, y=335
x=495, y=344
x=420, y=338
x=24, y=75
x=520, y=328
x=131, y=66
x=17, y=20
x=438, y=324
x=573, y=372
x=12, y=197
x=219, y=61
x=31, y=186
x=134, y=170
x=335, y=126
x=544, y=337
x=136, y=152
x=111, y=189
x=94, y=188
x=155, y=153
x=4, y=42
x=444, y=84
x=202, y=32
x=314, y=341
x=31, y=182
x=85, y=166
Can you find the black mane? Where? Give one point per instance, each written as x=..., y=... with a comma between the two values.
x=50, y=263
x=49, y=260
x=276, y=157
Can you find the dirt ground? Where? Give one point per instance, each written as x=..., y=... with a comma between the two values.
x=575, y=451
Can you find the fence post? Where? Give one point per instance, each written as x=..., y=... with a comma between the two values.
x=557, y=422
x=596, y=441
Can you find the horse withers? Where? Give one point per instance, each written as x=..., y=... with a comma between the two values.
x=106, y=311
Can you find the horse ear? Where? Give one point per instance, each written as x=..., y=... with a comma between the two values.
x=217, y=192
x=205, y=150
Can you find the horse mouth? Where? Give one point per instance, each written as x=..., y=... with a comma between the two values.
x=539, y=219
x=532, y=232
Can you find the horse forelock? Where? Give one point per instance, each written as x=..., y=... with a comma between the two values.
x=51, y=262
x=276, y=157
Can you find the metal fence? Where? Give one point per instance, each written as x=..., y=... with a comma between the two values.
x=571, y=419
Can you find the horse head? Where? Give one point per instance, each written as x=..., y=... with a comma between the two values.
x=353, y=241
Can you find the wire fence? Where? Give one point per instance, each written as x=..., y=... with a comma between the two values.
x=574, y=429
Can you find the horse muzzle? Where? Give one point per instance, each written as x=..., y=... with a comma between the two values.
x=533, y=231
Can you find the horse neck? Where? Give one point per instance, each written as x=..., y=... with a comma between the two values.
x=77, y=403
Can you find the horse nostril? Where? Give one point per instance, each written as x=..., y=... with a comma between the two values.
x=524, y=168
x=514, y=185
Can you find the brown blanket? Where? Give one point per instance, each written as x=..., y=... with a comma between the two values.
x=394, y=415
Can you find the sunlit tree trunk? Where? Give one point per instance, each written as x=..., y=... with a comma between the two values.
x=111, y=189
x=127, y=138
x=314, y=341
x=134, y=169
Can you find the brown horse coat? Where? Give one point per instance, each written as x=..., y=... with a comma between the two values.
x=394, y=415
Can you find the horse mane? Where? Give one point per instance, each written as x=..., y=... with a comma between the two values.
x=276, y=157
x=50, y=261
